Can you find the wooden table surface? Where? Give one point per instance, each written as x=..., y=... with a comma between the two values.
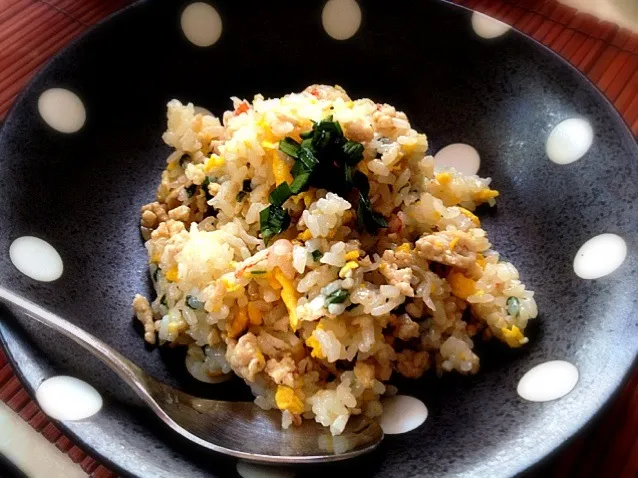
x=31, y=31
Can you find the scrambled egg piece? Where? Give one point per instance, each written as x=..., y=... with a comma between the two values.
x=230, y=284
x=172, y=274
x=513, y=337
x=462, y=287
x=287, y=399
x=470, y=216
x=405, y=247
x=348, y=268
x=254, y=314
x=308, y=197
x=352, y=255
x=280, y=169
x=236, y=326
x=305, y=235
x=289, y=296
x=315, y=345
x=444, y=178
x=215, y=161
x=485, y=195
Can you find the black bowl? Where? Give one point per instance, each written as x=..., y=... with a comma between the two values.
x=82, y=192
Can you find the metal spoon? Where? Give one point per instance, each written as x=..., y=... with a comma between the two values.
x=239, y=429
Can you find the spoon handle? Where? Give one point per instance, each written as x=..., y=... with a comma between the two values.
x=122, y=366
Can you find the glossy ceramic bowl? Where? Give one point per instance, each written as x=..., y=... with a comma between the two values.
x=79, y=188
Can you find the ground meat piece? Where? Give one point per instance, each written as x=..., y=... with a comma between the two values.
x=244, y=356
x=213, y=337
x=282, y=371
x=399, y=257
x=400, y=278
x=404, y=327
x=172, y=200
x=149, y=219
x=365, y=374
x=358, y=130
x=453, y=248
x=384, y=358
x=412, y=364
x=145, y=315
x=180, y=213
x=387, y=119
x=153, y=214
x=167, y=229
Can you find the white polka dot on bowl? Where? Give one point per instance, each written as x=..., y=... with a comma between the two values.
x=548, y=381
x=460, y=156
x=341, y=18
x=201, y=24
x=600, y=256
x=36, y=258
x=68, y=398
x=488, y=27
x=402, y=414
x=569, y=141
x=62, y=110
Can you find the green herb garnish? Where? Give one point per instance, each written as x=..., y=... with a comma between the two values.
x=368, y=218
x=257, y=273
x=280, y=195
x=193, y=302
x=324, y=159
x=300, y=183
x=273, y=220
x=353, y=152
x=337, y=297
x=289, y=146
x=316, y=255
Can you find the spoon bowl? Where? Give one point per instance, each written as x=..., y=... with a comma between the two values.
x=239, y=429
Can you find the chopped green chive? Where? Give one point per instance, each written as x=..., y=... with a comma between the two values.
x=337, y=297
x=289, y=146
x=280, y=195
x=324, y=159
x=273, y=220
x=513, y=306
x=316, y=255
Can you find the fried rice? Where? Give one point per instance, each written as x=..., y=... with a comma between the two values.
x=317, y=320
